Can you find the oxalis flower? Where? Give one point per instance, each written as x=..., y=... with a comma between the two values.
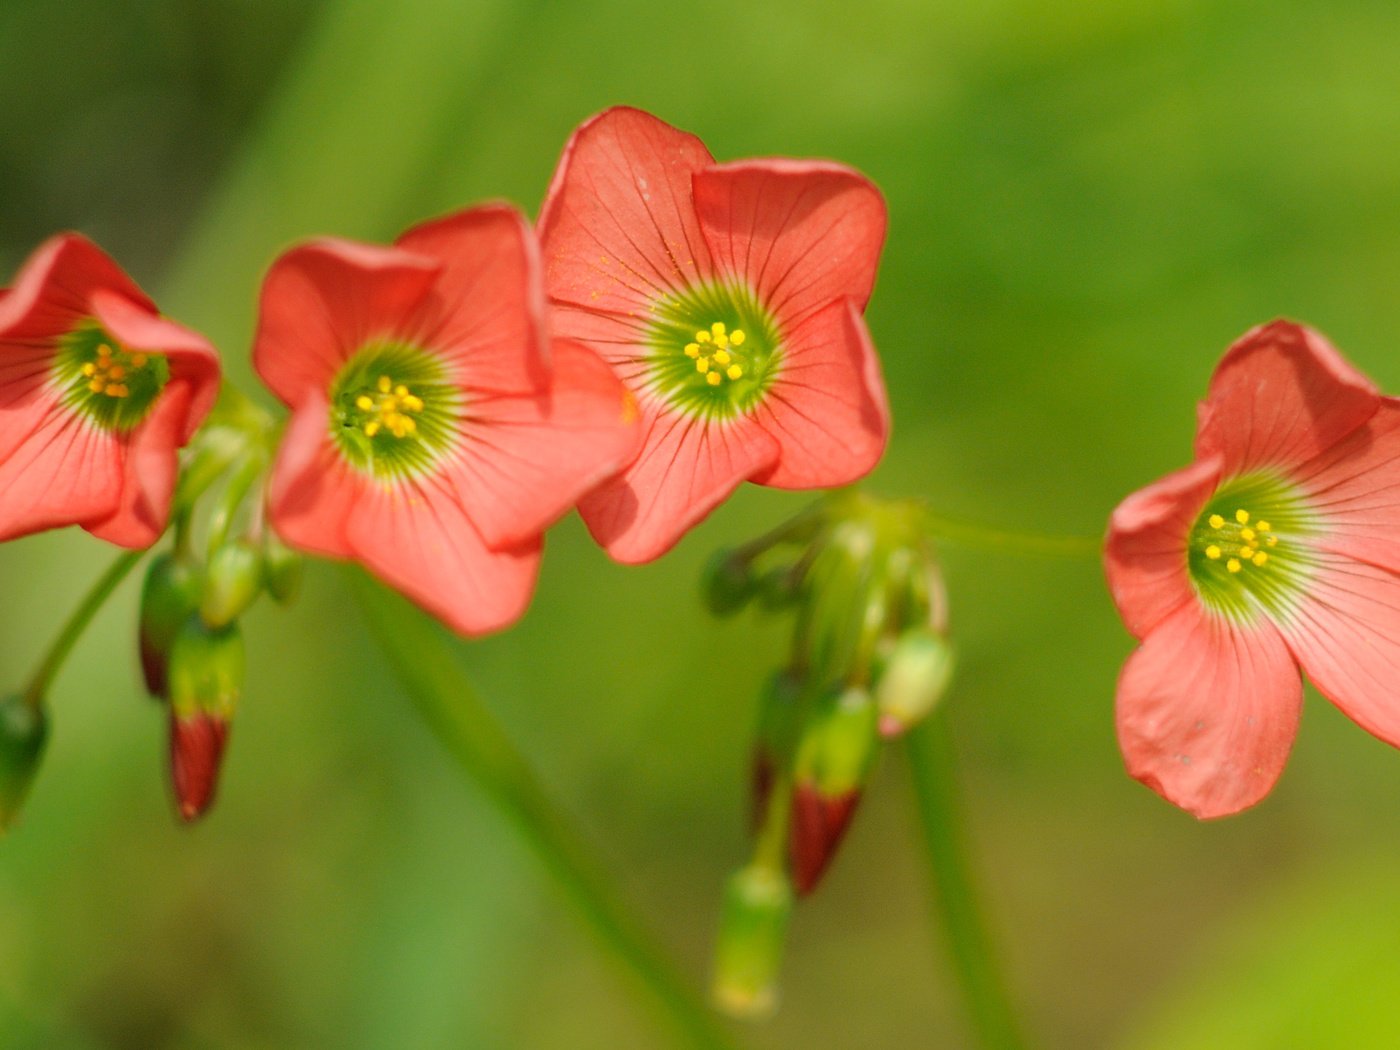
x=729, y=298
x=1278, y=548
x=435, y=433
x=97, y=392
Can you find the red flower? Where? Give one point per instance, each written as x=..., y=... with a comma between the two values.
x=1278, y=548
x=728, y=297
x=432, y=437
x=97, y=391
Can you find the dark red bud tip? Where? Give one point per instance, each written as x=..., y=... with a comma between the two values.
x=196, y=753
x=819, y=823
x=761, y=777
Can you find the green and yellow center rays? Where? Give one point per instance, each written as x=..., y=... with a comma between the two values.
x=713, y=351
x=394, y=412
x=1249, y=549
x=110, y=384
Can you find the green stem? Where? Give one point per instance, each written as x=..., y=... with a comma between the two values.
x=988, y=1003
x=423, y=661
x=52, y=662
x=979, y=537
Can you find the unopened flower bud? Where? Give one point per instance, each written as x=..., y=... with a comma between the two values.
x=835, y=752
x=914, y=679
x=728, y=583
x=753, y=930
x=283, y=570
x=169, y=595
x=232, y=581
x=206, y=681
x=23, y=732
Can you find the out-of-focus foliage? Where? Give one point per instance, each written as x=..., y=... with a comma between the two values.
x=1088, y=202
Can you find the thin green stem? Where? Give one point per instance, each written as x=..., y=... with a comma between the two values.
x=979, y=537
x=423, y=661
x=62, y=645
x=986, y=997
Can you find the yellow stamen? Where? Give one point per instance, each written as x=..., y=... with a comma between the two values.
x=1247, y=535
x=97, y=386
x=722, y=341
x=1271, y=540
x=1242, y=516
x=1263, y=526
x=413, y=403
x=385, y=384
x=717, y=328
x=692, y=349
x=1213, y=552
x=138, y=360
x=722, y=357
x=372, y=428
x=1217, y=522
x=364, y=403
x=104, y=351
x=736, y=337
x=734, y=372
x=713, y=378
x=89, y=369
x=702, y=337
x=702, y=365
x=1233, y=565
x=1261, y=558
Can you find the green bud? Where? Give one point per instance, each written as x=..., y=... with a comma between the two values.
x=838, y=742
x=168, y=596
x=23, y=732
x=752, y=933
x=728, y=583
x=232, y=581
x=914, y=679
x=283, y=569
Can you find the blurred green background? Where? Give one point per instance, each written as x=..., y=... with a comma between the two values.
x=1088, y=203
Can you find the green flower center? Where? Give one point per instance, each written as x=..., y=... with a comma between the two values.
x=1249, y=548
x=394, y=413
x=713, y=351
x=110, y=384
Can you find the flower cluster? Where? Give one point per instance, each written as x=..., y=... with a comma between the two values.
x=675, y=327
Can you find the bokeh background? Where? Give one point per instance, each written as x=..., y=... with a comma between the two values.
x=1088, y=203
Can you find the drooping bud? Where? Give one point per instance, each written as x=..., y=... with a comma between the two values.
x=206, y=681
x=728, y=583
x=835, y=753
x=914, y=679
x=168, y=596
x=774, y=738
x=283, y=569
x=232, y=582
x=24, y=730
x=752, y=933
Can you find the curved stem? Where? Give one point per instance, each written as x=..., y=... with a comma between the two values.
x=979, y=537
x=62, y=645
x=424, y=664
x=986, y=998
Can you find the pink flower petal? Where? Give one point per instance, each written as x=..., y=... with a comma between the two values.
x=1346, y=634
x=686, y=468
x=799, y=233
x=1280, y=396
x=192, y=360
x=416, y=537
x=313, y=491
x=321, y=301
x=54, y=286
x=67, y=471
x=488, y=313
x=26, y=395
x=1145, y=552
x=149, y=470
x=524, y=461
x=827, y=409
x=618, y=226
x=1207, y=711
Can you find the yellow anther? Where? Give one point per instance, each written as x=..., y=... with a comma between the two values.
x=1249, y=552
x=401, y=391
x=1233, y=565
x=713, y=378
x=104, y=351
x=702, y=365
x=702, y=337
x=717, y=328
x=372, y=428
x=1247, y=535
x=409, y=424
x=1271, y=540
x=97, y=386
x=1262, y=526
x=692, y=349
x=413, y=403
x=1213, y=552
x=736, y=337
x=734, y=372
x=118, y=390
x=385, y=384
x=89, y=369
x=722, y=341
x=1261, y=558
x=116, y=372
x=1217, y=522
x=364, y=403
x=1242, y=516
x=138, y=360
x=722, y=357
